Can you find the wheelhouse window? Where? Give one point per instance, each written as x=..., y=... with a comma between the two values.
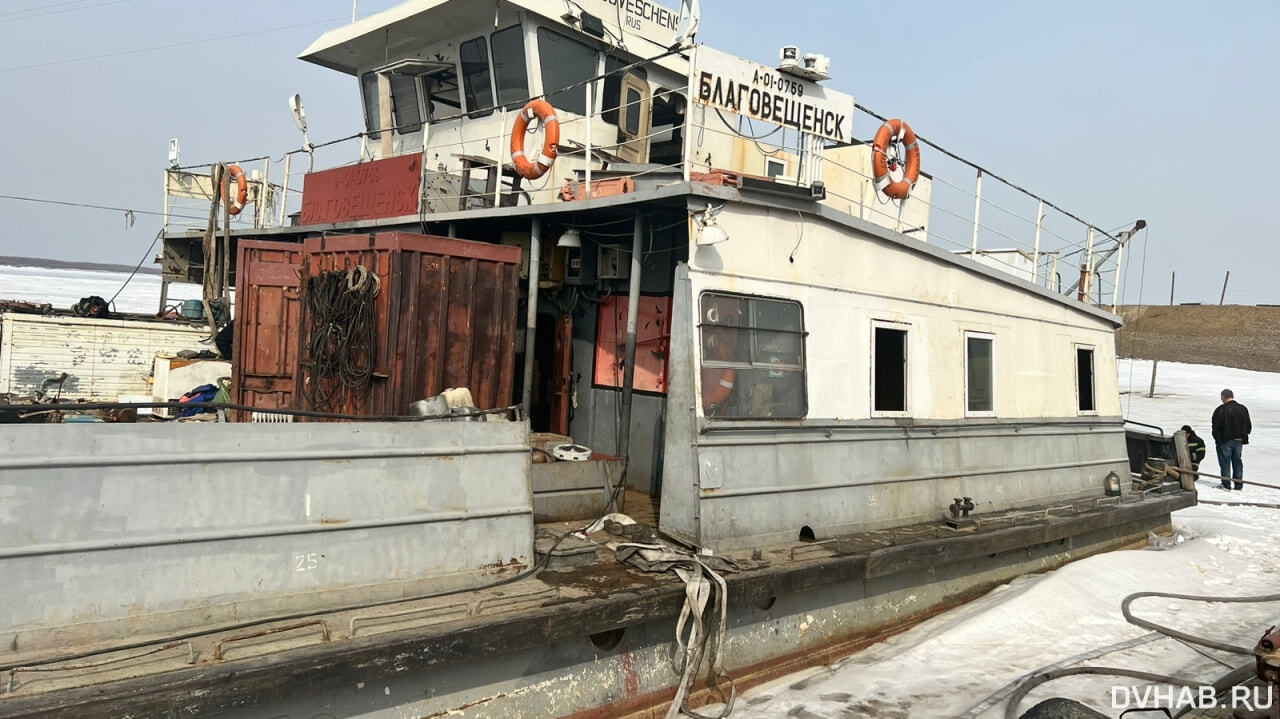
x=404, y=104
x=889, y=369
x=612, y=92
x=443, y=96
x=979, y=363
x=511, y=75
x=1084, y=380
x=753, y=363
x=406, y=114
x=476, y=82
x=564, y=62
x=372, y=110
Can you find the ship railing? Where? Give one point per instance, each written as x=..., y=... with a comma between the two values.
x=957, y=205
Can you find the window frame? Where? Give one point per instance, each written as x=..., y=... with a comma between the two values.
x=770, y=163
x=547, y=92
x=705, y=363
x=1093, y=378
x=905, y=329
x=464, y=84
x=990, y=338
x=493, y=68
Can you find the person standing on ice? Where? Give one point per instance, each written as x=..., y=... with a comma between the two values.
x=1231, y=428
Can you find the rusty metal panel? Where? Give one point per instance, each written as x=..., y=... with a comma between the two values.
x=267, y=319
x=369, y=190
x=445, y=316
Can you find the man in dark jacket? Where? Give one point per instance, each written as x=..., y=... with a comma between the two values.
x=1231, y=428
x=1195, y=447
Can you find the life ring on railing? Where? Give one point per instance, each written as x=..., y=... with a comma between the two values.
x=718, y=344
x=242, y=189
x=895, y=131
x=546, y=115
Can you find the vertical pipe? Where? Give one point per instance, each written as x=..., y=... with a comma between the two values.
x=1053, y=274
x=1226, y=279
x=633, y=319
x=284, y=188
x=1035, y=255
x=264, y=195
x=587, y=193
x=1086, y=269
x=164, y=227
x=1115, y=291
x=977, y=210
x=531, y=317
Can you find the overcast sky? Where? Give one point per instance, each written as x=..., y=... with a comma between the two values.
x=1113, y=110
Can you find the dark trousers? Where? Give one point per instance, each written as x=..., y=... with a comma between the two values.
x=1230, y=462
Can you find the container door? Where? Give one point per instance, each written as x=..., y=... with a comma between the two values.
x=265, y=357
x=635, y=118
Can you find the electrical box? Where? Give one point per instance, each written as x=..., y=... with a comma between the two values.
x=578, y=269
x=612, y=263
x=550, y=258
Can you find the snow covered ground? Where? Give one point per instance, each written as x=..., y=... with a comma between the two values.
x=63, y=288
x=948, y=665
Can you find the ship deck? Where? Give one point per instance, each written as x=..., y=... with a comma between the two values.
x=235, y=667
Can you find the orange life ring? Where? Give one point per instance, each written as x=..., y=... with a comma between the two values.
x=717, y=383
x=895, y=131
x=242, y=190
x=546, y=115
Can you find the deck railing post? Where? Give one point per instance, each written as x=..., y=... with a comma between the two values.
x=1035, y=254
x=531, y=317
x=633, y=319
x=977, y=211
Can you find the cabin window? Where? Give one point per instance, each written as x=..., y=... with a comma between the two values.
x=475, y=77
x=979, y=384
x=753, y=363
x=443, y=98
x=889, y=369
x=369, y=88
x=1084, y=379
x=406, y=115
x=404, y=104
x=774, y=168
x=509, y=70
x=564, y=62
x=613, y=90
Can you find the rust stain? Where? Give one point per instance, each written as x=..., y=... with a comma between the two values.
x=463, y=707
x=332, y=520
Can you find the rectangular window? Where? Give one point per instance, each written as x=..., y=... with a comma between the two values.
x=774, y=168
x=443, y=98
x=369, y=88
x=979, y=385
x=1084, y=379
x=564, y=62
x=889, y=370
x=612, y=91
x=509, y=69
x=752, y=357
x=476, y=82
x=404, y=104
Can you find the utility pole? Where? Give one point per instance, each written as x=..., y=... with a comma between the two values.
x=1173, y=279
x=1223, y=298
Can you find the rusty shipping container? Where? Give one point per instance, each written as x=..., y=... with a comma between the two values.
x=444, y=316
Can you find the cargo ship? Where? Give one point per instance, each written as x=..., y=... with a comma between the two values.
x=600, y=373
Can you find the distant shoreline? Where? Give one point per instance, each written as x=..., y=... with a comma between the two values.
x=71, y=265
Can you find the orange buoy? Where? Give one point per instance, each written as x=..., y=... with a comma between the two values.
x=895, y=131
x=719, y=343
x=242, y=189
x=546, y=114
